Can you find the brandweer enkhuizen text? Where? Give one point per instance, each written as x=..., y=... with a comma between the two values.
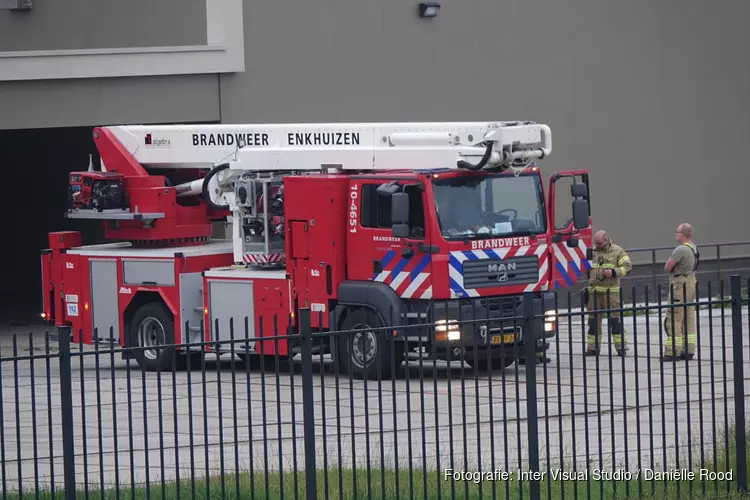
x=585, y=475
x=292, y=139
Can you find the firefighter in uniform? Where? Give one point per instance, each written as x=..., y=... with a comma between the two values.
x=610, y=263
x=681, y=266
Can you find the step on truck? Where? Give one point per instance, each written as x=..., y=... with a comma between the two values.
x=404, y=228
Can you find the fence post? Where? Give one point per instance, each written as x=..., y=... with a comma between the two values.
x=735, y=286
x=529, y=334
x=66, y=407
x=308, y=403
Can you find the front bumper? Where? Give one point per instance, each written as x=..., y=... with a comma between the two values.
x=494, y=322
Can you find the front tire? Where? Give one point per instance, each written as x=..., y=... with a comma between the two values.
x=151, y=333
x=366, y=351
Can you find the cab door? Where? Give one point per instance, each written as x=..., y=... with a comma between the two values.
x=570, y=219
x=374, y=253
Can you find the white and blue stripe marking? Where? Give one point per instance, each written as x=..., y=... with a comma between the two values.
x=399, y=274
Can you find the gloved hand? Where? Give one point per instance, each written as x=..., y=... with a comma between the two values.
x=585, y=296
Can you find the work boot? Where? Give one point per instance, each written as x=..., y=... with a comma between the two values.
x=589, y=352
x=538, y=360
x=541, y=359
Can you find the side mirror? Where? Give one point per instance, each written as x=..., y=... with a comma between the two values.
x=580, y=191
x=580, y=213
x=400, y=215
x=400, y=208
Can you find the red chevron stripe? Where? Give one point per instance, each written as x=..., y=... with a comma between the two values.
x=423, y=287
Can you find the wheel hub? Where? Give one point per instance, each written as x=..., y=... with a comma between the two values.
x=364, y=347
x=151, y=335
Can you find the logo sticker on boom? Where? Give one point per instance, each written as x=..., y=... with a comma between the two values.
x=148, y=140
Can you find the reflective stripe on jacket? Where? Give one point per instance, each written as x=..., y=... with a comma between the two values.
x=610, y=257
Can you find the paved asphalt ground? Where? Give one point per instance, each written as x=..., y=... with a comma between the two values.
x=120, y=435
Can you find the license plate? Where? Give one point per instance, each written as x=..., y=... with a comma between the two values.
x=508, y=338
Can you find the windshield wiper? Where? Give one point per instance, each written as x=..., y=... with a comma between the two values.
x=523, y=232
x=483, y=236
x=463, y=237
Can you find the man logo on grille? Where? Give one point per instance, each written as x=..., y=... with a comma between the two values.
x=496, y=268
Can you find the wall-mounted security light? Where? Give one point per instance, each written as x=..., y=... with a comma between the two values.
x=429, y=9
x=15, y=4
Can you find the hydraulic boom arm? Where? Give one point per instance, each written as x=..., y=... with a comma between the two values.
x=165, y=183
x=383, y=147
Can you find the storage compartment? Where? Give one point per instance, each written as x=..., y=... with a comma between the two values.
x=258, y=304
x=231, y=311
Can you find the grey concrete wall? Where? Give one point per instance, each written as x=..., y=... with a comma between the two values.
x=103, y=24
x=70, y=103
x=650, y=96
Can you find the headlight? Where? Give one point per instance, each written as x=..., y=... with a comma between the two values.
x=550, y=320
x=444, y=325
x=448, y=329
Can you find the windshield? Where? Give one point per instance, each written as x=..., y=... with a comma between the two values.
x=489, y=206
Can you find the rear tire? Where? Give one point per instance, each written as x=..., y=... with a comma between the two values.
x=151, y=333
x=365, y=353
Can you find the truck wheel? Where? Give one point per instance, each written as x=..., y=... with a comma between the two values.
x=366, y=353
x=152, y=333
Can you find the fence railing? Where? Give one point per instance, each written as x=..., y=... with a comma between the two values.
x=484, y=420
x=718, y=261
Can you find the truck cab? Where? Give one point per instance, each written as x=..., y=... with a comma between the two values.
x=427, y=251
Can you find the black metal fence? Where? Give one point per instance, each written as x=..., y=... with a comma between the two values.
x=718, y=261
x=79, y=421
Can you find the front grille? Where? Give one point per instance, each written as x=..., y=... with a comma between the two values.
x=502, y=306
x=483, y=273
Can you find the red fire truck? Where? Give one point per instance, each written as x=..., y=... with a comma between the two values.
x=370, y=227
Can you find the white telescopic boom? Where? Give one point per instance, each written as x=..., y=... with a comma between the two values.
x=389, y=147
x=393, y=147
x=203, y=146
